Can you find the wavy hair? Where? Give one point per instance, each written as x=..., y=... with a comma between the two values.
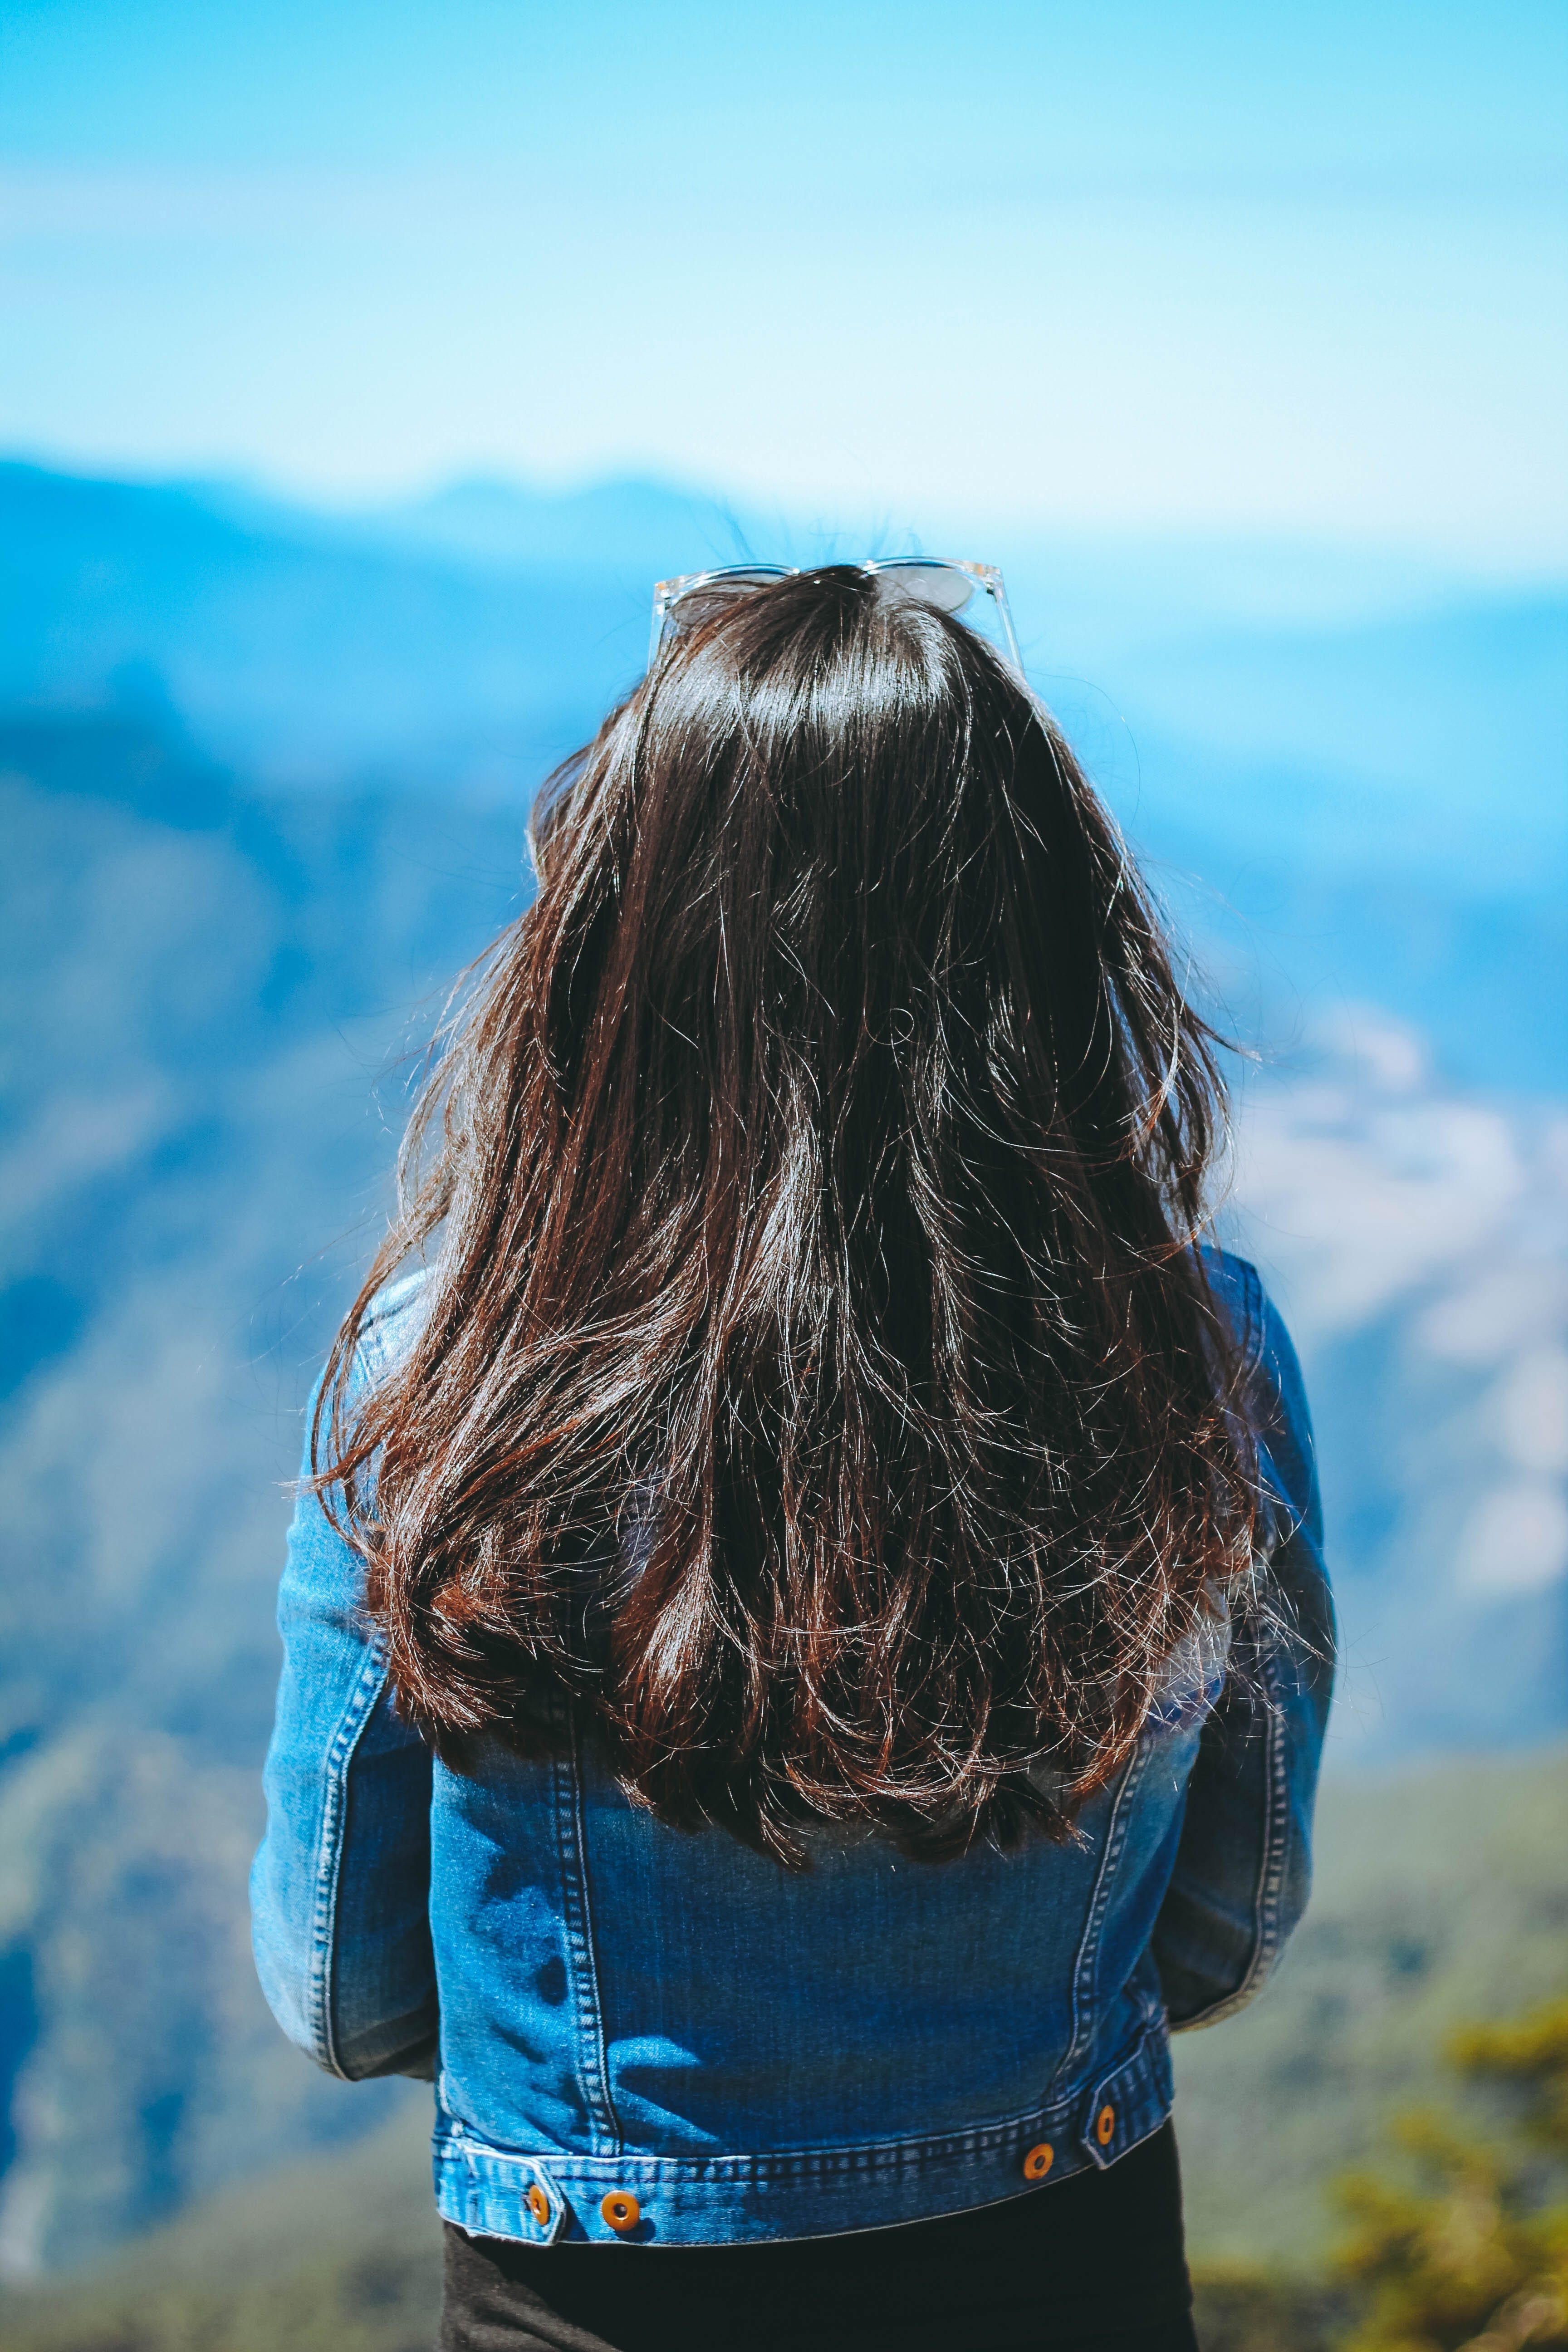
x=816, y=1386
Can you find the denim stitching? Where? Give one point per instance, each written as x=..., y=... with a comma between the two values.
x=1255, y=1318
x=357, y=1712
x=1088, y=1959
x=458, y=2150
x=592, y=2062
x=1122, y=2084
x=1271, y=1875
x=1270, y=1885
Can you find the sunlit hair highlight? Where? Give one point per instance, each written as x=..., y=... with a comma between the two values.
x=816, y=1389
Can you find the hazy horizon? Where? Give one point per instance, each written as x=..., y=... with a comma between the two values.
x=1192, y=268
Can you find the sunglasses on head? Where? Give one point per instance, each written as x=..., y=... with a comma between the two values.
x=947, y=587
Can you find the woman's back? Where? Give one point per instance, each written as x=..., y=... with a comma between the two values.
x=628, y=2011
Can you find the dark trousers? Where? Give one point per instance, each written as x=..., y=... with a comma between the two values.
x=1093, y=2264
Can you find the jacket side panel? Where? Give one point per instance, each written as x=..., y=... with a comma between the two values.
x=1243, y=1868
x=1086, y=2019
x=521, y=2037
x=577, y=1920
x=339, y=1887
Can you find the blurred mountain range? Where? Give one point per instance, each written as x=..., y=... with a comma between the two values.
x=1348, y=776
x=263, y=776
x=1441, y=1895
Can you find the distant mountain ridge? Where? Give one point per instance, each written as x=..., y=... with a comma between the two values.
x=1381, y=806
x=226, y=593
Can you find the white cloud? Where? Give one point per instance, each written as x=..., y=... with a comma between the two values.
x=1531, y=1403
x=1502, y=1308
x=1516, y=1540
x=1360, y=1201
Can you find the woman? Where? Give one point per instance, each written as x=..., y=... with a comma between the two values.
x=806, y=1644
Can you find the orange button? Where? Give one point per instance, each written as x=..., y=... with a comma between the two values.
x=621, y=2211
x=1104, y=2125
x=537, y=2204
x=1039, y=2161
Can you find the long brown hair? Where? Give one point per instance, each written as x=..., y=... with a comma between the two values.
x=816, y=1384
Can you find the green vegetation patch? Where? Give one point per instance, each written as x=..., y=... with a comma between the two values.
x=1440, y=1896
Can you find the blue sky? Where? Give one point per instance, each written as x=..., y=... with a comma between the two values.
x=1237, y=270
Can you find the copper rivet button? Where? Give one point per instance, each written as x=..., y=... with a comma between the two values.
x=1039, y=2161
x=621, y=2211
x=537, y=2204
x=1104, y=2124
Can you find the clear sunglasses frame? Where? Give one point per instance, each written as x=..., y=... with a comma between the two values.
x=931, y=579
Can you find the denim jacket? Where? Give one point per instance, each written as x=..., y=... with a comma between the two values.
x=641, y=2034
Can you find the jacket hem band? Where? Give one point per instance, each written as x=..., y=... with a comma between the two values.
x=541, y=2196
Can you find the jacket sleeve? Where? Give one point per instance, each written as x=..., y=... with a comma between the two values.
x=1244, y=1861
x=339, y=1889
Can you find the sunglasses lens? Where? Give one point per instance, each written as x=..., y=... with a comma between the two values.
x=679, y=604
x=714, y=586
x=933, y=584
x=738, y=582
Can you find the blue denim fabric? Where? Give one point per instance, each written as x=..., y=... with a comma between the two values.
x=607, y=2004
